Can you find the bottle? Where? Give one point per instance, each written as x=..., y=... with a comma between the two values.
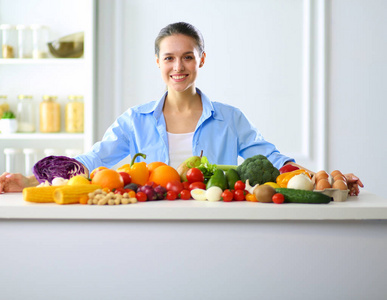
x=49, y=114
x=25, y=114
x=40, y=38
x=30, y=158
x=74, y=114
x=4, y=106
x=11, y=159
x=9, y=41
x=24, y=41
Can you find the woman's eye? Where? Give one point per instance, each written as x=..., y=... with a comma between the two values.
x=188, y=57
x=168, y=58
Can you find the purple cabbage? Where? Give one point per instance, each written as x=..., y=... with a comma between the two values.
x=57, y=166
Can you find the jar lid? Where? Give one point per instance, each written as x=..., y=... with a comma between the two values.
x=7, y=26
x=11, y=151
x=38, y=26
x=75, y=97
x=25, y=97
x=49, y=97
x=21, y=27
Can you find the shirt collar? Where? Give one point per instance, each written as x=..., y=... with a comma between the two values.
x=157, y=107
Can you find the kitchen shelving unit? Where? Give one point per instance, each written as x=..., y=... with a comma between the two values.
x=50, y=76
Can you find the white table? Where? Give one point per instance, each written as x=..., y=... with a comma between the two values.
x=194, y=250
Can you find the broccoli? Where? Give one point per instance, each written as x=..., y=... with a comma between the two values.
x=257, y=169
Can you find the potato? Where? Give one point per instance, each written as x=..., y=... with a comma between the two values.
x=264, y=193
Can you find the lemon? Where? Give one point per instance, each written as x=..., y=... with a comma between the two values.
x=272, y=184
x=78, y=180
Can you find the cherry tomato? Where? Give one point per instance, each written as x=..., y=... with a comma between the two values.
x=185, y=195
x=171, y=195
x=278, y=198
x=175, y=185
x=239, y=195
x=120, y=191
x=125, y=177
x=239, y=185
x=141, y=197
x=227, y=196
x=194, y=175
x=197, y=185
x=186, y=185
x=151, y=183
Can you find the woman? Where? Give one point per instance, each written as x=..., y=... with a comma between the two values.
x=182, y=123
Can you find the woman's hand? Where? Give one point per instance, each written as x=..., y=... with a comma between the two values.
x=353, y=183
x=15, y=182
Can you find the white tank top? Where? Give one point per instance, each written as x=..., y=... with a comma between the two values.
x=180, y=147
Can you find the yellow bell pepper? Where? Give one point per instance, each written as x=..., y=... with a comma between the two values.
x=283, y=179
x=138, y=171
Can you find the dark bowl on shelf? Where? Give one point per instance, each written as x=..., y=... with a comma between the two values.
x=70, y=46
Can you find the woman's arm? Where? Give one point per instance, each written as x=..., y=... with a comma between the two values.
x=16, y=182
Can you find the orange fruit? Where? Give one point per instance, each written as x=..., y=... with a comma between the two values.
x=96, y=170
x=164, y=174
x=153, y=165
x=108, y=178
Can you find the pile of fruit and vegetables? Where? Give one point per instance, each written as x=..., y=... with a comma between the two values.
x=64, y=180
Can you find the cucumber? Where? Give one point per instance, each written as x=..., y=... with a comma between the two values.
x=302, y=196
x=232, y=176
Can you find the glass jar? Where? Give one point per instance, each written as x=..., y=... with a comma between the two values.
x=25, y=114
x=74, y=114
x=4, y=106
x=49, y=114
x=24, y=41
x=40, y=38
x=9, y=41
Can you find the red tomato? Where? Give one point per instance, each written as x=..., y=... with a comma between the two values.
x=239, y=185
x=151, y=183
x=175, y=185
x=186, y=185
x=227, y=196
x=197, y=185
x=141, y=197
x=125, y=177
x=120, y=191
x=171, y=195
x=239, y=195
x=185, y=195
x=278, y=198
x=194, y=175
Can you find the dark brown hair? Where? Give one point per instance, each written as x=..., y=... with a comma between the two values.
x=180, y=28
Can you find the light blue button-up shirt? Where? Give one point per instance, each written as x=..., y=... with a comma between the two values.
x=223, y=133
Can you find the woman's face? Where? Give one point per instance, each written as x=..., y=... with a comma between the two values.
x=179, y=61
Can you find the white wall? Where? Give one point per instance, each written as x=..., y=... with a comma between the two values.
x=291, y=66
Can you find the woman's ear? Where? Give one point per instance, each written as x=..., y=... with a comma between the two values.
x=157, y=61
x=202, y=59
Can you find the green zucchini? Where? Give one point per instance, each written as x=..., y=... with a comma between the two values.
x=302, y=196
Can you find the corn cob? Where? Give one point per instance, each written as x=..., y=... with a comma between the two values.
x=43, y=194
x=71, y=194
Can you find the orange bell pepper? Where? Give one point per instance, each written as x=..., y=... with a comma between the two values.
x=283, y=179
x=251, y=198
x=138, y=171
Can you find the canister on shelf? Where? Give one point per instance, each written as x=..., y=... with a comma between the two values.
x=9, y=41
x=40, y=38
x=25, y=114
x=11, y=159
x=30, y=158
x=49, y=114
x=74, y=114
x=4, y=106
x=24, y=41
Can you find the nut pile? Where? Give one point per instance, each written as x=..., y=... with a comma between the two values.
x=100, y=197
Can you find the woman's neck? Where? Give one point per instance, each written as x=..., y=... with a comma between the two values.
x=182, y=101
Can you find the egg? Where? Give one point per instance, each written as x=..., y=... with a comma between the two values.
x=322, y=184
x=321, y=175
x=340, y=184
x=336, y=172
x=340, y=177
